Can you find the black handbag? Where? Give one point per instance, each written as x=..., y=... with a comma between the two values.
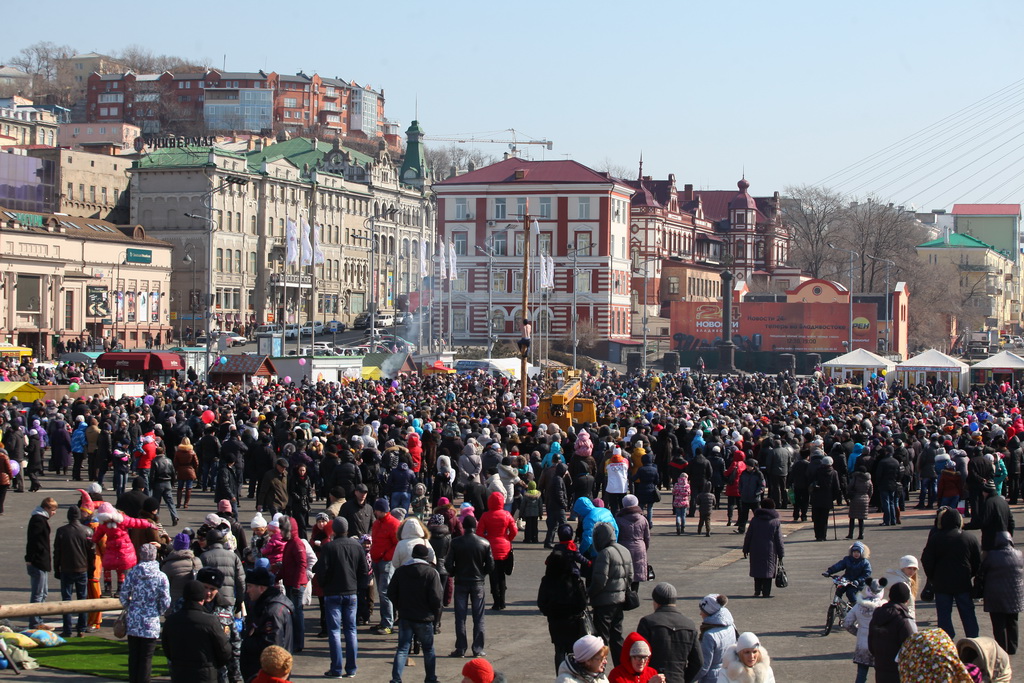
x=632, y=600
x=650, y=572
x=928, y=594
x=781, y=580
x=510, y=563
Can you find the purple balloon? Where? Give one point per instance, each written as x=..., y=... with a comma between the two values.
x=149, y=400
x=15, y=468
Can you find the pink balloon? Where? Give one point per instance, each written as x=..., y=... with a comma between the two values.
x=208, y=416
x=287, y=379
x=302, y=361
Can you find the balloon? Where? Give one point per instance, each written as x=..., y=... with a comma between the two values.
x=617, y=403
x=149, y=400
x=15, y=468
x=73, y=387
x=974, y=426
x=302, y=361
x=725, y=404
x=287, y=379
x=884, y=372
x=207, y=417
x=223, y=360
x=874, y=375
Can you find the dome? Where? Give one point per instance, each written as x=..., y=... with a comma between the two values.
x=742, y=200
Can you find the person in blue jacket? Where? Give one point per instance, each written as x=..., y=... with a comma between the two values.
x=590, y=515
x=851, y=462
x=855, y=567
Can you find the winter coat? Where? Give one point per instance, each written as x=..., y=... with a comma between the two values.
x=295, y=562
x=751, y=484
x=269, y=622
x=37, y=545
x=824, y=487
x=861, y=490
x=78, y=442
x=612, y=571
x=733, y=474
x=195, y=644
x=624, y=672
x=219, y=557
x=180, y=566
x=886, y=473
x=1003, y=574
x=718, y=632
x=675, y=650
x=763, y=543
x=645, y=482
x=890, y=625
x=858, y=622
x=635, y=536
x=112, y=536
x=950, y=484
x=384, y=535
x=571, y=672
x=857, y=571
x=416, y=592
x=986, y=654
x=562, y=598
x=497, y=526
x=470, y=467
x=735, y=671
x=895, y=576
x=145, y=596
x=410, y=534
x=993, y=517
x=951, y=559
x=591, y=515
x=72, y=545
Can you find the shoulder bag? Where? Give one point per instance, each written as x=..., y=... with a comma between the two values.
x=121, y=625
x=781, y=580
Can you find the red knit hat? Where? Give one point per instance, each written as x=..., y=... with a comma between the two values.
x=478, y=670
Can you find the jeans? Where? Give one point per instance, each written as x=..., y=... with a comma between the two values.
x=950, y=501
x=341, y=615
x=424, y=633
x=208, y=473
x=964, y=605
x=556, y=518
x=401, y=499
x=120, y=483
x=466, y=593
x=889, y=506
x=927, y=491
x=162, y=491
x=862, y=673
x=140, y=659
x=78, y=584
x=143, y=474
x=382, y=572
x=298, y=619
x=38, y=580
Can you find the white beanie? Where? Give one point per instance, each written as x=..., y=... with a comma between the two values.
x=747, y=641
x=258, y=521
x=709, y=604
x=586, y=647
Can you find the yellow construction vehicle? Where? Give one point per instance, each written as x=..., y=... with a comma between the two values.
x=564, y=406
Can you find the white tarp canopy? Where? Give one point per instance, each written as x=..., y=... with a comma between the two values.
x=933, y=364
x=1004, y=360
x=858, y=365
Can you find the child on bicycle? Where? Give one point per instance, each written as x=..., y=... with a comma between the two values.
x=856, y=568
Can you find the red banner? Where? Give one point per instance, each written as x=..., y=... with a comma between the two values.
x=772, y=326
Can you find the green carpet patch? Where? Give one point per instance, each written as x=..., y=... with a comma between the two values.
x=95, y=656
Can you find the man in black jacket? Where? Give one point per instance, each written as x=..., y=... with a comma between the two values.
x=131, y=502
x=556, y=500
x=415, y=591
x=951, y=559
x=228, y=484
x=37, y=553
x=269, y=621
x=698, y=471
x=337, y=572
x=161, y=478
x=72, y=557
x=194, y=640
x=993, y=516
x=357, y=511
x=469, y=560
x=886, y=478
x=675, y=647
x=346, y=474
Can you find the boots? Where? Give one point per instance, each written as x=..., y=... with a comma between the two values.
x=188, y=497
x=678, y=528
x=850, y=535
x=179, y=499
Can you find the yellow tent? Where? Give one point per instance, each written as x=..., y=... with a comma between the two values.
x=9, y=351
x=23, y=391
x=370, y=372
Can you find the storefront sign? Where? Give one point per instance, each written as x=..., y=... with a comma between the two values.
x=96, y=305
x=173, y=141
x=139, y=256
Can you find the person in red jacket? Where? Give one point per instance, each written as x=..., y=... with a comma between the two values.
x=732, y=483
x=633, y=667
x=293, y=575
x=499, y=528
x=145, y=456
x=383, y=541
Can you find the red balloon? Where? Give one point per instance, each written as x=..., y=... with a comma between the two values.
x=208, y=416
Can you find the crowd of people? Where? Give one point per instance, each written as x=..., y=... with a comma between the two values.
x=392, y=500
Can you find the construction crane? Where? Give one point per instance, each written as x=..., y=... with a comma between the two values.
x=471, y=138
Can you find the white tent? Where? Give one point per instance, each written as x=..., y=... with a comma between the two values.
x=933, y=365
x=857, y=366
x=1005, y=365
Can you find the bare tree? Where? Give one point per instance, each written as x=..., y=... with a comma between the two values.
x=883, y=231
x=441, y=159
x=812, y=215
x=141, y=60
x=616, y=170
x=41, y=59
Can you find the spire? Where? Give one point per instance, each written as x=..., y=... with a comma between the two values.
x=414, y=166
x=640, y=176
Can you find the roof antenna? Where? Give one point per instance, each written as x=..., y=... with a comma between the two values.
x=641, y=176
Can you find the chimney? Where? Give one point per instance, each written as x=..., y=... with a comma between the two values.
x=688, y=192
x=257, y=144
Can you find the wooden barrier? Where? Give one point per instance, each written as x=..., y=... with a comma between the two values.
x=63, y=607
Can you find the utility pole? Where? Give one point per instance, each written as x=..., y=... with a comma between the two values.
x=853, y=255
x=888, y=313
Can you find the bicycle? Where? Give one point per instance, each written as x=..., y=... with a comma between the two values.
x=839, y=606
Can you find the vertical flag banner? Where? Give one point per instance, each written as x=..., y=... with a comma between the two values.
x=306, y=257
x=442, y=261
x=423, y=258
x=318, y=253
x=551, y=272
x=452, y=274
x=291, y=242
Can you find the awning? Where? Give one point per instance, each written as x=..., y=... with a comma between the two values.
x=23, y=391
x=165, y=362
x=131, y=360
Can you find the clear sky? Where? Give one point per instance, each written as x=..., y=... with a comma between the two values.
x=791, y=92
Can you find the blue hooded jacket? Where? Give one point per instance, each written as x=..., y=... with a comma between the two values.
x=851, y=462
x=857, y=571
x=549, y=458
x=592, y=516
x=78, y=438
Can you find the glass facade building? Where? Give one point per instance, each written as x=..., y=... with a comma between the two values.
x=27, y=183
x=247, y=109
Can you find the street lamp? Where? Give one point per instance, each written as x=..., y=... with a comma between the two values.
x=575, y=252
x=888, y=313
x=124, y=304
x=490, y=296
x=212, y=222
x=371, y=222
x=853, y=255
x=645, y=263
x=192, y=292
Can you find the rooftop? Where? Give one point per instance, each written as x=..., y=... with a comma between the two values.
x=507, y=171
x=986, y=209
x=957, y=240
x=91, y=229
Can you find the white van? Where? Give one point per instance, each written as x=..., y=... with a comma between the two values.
x=268, y=329
x=385, y=320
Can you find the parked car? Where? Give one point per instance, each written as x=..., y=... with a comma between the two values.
x=333, y=326
x=291, y=331
x=362, y=320
x=268, y=329
x=385, y=320
x=234, y=339
x=309, y=328
x=374, y=332
x=402, y=318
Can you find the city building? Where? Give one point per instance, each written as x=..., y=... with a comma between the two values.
x=77, y=69
x=369, y=217
x=22, y=123
x=584, y=225
x=64, y=278
x=119, y=137
x=14, y=81
x=90, y=185
x=27, y=183
x=989, y=278
x=994, y=224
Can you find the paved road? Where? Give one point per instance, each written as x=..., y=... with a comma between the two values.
x=789, y=624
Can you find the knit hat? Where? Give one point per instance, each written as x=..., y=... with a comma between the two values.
x=182, y=542
x=399, y=513
x=94, y=488
x=747, y=641
x=340, y=526
x=586, y=647
x=443, y=501
x=420, y=551
x=908, y=561
x=664, y=594
x=436, y=519
x=194, y=591
x=629, y=501
x=258, y=522
x=478, y=670
x=276, y=661
x=709, y=604
x=640, y=649
x=565, y=533
x=381, y=505
x=211, y=576
x=147, y=553
x=323, y=517
x=224, y=505
x=899, y=593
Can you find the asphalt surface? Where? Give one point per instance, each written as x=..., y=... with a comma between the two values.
x=789, y=625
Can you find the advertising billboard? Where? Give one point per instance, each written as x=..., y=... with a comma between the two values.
x=774, y=326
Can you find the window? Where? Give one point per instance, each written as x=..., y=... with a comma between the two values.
x=519, y=243
x=499, y=281
x=69, y=310
x=220, y=259
x=459, y=321
x=81, y=192
x=545, y=207
x=583, y=243
x=583, y=281
x=544, y=243
x=238, y=260
x=499, y=242
x=92, y=194
x=103, y=195
x=500, y=211
x=71, y=191
x=461, y=241
x=520, y=206
x=28, y=293
x=461, y=281
x=584, y=206
x=673, y=284
x=229, y=221
x=252, y=226
x=517, y=281
x=117, y=195
x=291, y=102
x=252, y=262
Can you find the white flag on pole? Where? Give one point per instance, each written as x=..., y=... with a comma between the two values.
x=452, y=273
x=442, y=262
x=318, y=253
x=534, y=227
x=423, y=259
x=291, y=242
x=306, y=249
x=551, y=272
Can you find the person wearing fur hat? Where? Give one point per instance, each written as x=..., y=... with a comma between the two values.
x=586, y=663
x=746, y=662
x=858, y=621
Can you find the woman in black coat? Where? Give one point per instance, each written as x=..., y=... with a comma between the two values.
x=1002, y=571
x=763, y=545
x=823, y=491
x=562, y=598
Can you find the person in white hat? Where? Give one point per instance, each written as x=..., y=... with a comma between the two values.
x=907, y=573
x=746, y=662
x=586, y=664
